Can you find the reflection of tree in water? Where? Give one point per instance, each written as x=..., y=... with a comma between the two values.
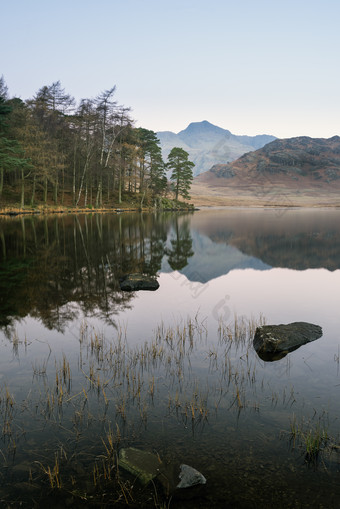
x=52, y=266
x=181, y=246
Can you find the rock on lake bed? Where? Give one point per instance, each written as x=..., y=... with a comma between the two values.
x=272, y=342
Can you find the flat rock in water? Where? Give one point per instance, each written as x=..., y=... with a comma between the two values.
x=136, y=282
x=189, y=476
x=272, y=342
x=142, y=464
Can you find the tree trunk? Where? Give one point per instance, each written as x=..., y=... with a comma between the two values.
x=33, y=191
x=119, y=187
x=63, y=187
x=99, y=193
x=74, y=178
x=22, y=203
x=45, y=191
x=141, y=202
x=1, y=180
x=81, y=182
x=91, y=193
x=56, y=191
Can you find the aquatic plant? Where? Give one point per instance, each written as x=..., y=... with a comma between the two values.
x=311, y=439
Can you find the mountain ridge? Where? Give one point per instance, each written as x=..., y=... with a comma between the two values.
x=295, y=158
x=300, y=171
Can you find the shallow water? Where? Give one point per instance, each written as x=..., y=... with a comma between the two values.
x=171, y=371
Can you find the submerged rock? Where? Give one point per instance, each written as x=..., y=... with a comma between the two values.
x=142, y=464
x=136, y=282
x=189, y=476
x=272, y=342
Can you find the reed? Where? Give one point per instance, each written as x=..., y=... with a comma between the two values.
x=312, y=439
x=52, y=474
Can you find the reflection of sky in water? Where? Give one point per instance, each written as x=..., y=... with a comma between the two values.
x=281, y=295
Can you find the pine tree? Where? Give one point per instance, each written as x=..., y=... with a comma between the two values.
x=152, y=168
x=11, y=153
x=182, y=175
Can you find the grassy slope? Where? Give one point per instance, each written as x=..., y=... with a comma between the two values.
x=209, y=190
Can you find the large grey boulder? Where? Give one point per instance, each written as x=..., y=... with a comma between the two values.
x=136, y=282
x=272, y=342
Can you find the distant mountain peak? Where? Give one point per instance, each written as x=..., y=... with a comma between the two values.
x=202, y=123
x=208, y=144
x=203, y=127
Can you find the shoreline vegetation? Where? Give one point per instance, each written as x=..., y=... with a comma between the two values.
x=13, y=211
x=57, y=155
x=164, y=205
x=198, y=202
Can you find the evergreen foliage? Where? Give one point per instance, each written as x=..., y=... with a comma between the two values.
x=86, y=155
x=182, y=175
x=11, y=153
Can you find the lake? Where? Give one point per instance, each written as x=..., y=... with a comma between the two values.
x=88, y=371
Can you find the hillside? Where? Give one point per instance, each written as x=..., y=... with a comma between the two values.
x=284, y=171
x=292, y=158
x=208, y=144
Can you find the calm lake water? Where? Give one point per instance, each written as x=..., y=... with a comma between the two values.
x=87, y=370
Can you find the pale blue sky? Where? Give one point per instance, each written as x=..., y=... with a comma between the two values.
x=249, y=66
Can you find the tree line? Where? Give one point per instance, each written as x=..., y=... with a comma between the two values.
x=89, y=154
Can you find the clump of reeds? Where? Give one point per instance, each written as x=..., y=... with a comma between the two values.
x=311, y=439
x=52, y=474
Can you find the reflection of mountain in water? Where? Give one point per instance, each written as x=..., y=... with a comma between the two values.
x=305, y=250
x=294, y=239
x=211, y=260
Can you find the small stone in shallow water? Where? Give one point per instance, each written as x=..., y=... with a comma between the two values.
x=189, y=476
x=136, y=282
x=143, y=464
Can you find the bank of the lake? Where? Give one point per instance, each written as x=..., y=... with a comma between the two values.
x=163, y=204
x=214, y=194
